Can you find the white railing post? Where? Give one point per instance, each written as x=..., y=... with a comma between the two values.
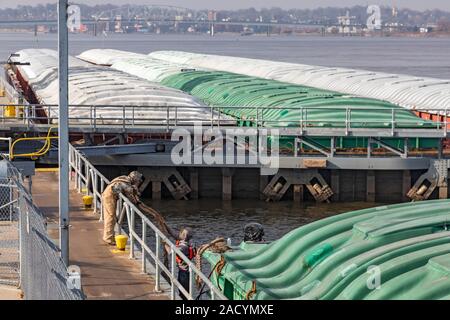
x=393, y=122
x=102, y=188
x=95, y=190
x=176, y=116
x=167, y=120
x=132, y=229
x=144, y=237
x=191, y=283
x=157, y=268
x=172, y=272
x=445, y=122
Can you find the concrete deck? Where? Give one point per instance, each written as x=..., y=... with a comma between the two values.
x=105, y=274
x=10, y=293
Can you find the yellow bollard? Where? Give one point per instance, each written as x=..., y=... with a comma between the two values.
x=88, y=200
x=121, y=242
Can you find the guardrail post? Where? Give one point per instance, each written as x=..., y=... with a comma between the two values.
x=102, y=188
x=167, y=120
x=95, y=187
x=79, y=173
x=301, y=120
x=347, y=115
x=172, y=272
x=124, y=122
x=144, y=237
x=49, y=117
x=132, y=230
x=91, y=115
x=95, y=118
x=191, y=283
x=212, y=117
x=393, y=122
x=157, y=267
x=445, y=121
x=176, y=116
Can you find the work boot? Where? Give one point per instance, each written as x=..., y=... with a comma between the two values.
x=110, y=242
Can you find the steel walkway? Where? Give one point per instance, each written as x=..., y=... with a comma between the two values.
x=105, y=273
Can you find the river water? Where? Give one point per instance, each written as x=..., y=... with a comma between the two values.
x=213, y=218
x=209, y=218
x=416, y=56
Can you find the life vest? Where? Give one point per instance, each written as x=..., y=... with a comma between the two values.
x=191, y=255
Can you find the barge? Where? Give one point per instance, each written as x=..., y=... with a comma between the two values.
x=398, y=251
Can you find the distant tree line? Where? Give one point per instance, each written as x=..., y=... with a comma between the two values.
x=326, y=15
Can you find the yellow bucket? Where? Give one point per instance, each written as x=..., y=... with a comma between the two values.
x=121, y=241
x=88, y=200
x=10, y=112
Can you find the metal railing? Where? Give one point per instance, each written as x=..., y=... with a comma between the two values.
x=42, y=273
x=90, y=181
x=36, y=154
x=344, y=119
x=7, y=153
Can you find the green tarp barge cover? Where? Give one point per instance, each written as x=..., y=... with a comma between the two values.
x=321, y=108
x=392, y=252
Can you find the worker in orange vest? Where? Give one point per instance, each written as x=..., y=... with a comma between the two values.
x=188, y=249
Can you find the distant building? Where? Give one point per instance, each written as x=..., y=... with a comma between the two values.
x=346, y=24
x=212, y=15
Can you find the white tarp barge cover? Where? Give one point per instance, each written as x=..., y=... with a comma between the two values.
x=417, y=93
x=101, y=86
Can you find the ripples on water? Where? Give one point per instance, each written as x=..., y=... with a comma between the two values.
x=214, y=218
x=415, y=56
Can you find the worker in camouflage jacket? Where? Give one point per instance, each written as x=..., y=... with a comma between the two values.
x=129, y=187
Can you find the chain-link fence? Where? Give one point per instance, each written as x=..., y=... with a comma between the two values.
x=9, y=232
x=43, y=274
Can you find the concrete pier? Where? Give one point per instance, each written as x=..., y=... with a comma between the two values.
x=406, y=184
x=156, y=190
x=370, y=186
x=193, y=182
x=10, y=293
x=227, y=184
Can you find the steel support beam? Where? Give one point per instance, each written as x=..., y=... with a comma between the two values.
x=335, y=184
x=63, y=121
x=406, y=185
x=193, y=181
x=370, y=194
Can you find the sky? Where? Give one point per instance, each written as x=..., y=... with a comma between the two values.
x=236, y=4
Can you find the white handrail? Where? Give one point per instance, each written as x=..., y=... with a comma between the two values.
x=86, y=174
x=8, y=153
x=170, y=117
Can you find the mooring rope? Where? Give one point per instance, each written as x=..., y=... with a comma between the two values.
x=218, y=245
x=159, y=219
